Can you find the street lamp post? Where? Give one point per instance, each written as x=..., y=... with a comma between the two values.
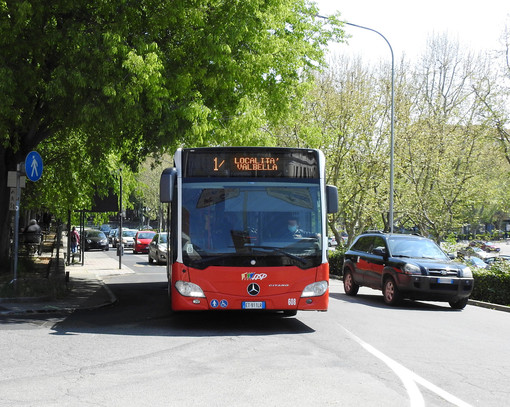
x=392, y=118
x=121, y=246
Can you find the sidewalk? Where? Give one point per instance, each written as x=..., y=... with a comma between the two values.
x=85, y=290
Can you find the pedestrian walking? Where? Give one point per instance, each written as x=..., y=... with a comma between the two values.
x=75, y=241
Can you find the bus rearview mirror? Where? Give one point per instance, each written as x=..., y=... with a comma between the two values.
x=166, y=185
x=332, y=199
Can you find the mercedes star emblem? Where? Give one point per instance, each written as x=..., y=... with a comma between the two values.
x=253, y=289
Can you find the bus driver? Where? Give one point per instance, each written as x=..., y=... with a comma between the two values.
x=294, y=232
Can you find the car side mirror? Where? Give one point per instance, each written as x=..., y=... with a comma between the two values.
x=379, y=251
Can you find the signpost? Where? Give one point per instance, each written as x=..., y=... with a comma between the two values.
x=32, y=168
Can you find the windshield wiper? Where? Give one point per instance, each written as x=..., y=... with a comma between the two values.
x=205, y=261
x=281, y=251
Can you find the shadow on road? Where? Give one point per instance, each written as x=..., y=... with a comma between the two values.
x=377, y=301
x=144, y=309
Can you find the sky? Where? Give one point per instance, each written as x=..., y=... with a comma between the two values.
x=408, y=25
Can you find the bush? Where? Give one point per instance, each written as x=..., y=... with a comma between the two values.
x=336, y=260
x=493, y=285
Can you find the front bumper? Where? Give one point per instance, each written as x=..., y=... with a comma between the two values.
x=219, y=301
x=99, y=246
x=434, y=288
x=142, y=248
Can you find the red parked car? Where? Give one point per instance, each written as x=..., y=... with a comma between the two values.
x=490, y=247
x=142, y=240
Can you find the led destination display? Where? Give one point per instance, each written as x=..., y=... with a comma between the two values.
x=250, y=162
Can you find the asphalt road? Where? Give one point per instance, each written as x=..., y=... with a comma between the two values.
x=360, y=352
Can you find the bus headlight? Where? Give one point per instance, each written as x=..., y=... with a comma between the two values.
x=188, y=289
x=315, y=289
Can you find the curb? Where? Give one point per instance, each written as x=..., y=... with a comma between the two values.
x=21, y=300
x=489, y=305
x=50, y=308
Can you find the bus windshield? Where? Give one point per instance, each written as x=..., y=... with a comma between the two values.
x=251, y=224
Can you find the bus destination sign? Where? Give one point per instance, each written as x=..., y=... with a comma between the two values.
x=250, y=162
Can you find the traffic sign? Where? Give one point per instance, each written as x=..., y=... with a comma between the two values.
x=33, y=166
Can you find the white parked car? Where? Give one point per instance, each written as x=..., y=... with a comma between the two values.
x=128, y=237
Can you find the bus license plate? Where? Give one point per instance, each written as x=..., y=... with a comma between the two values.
x=254, y=305
x=445, y=281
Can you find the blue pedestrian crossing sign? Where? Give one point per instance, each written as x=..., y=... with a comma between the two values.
x=33, y=166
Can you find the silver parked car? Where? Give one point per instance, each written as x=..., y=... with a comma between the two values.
x=158, y=248
x=128, y=238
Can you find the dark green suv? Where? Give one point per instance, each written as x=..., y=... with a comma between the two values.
x=405, y=266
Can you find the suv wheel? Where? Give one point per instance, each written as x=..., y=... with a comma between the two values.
x=459, y=304
x=350, y=286
x=390, y=292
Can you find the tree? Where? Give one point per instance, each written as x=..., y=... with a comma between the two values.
x=346, y=117
x=493, y=90
x=134, y=78
x=447, y=167
x=441, y=149
x=147, y=187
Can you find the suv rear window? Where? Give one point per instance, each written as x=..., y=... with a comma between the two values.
x=369, y=243
x=364, y=244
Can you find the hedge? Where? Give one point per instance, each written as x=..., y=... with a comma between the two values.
x=336, y=261
x=492, y=285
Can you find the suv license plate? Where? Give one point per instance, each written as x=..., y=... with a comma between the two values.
x=445, y=281
x=254, y=305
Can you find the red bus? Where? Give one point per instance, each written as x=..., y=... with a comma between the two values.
x=248, y=229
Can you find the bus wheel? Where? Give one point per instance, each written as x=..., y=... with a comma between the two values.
x=290, y=312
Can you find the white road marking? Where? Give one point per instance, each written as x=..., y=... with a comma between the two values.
x=409, y=378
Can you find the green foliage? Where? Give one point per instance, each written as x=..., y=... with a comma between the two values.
x=146, y=193
x=89, y=82
x=450, y=244
x=449, y=168
x=342, y=116
x=493, y=285
x=336, y=260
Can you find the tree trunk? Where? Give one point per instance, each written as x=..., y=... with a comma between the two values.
x=8, y=163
